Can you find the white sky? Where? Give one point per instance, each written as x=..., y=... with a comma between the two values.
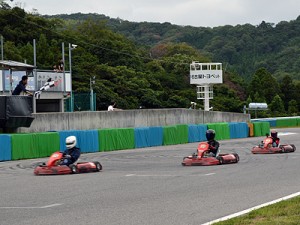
x=204, y=13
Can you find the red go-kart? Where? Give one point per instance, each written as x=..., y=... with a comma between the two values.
x=266, y=147
x=53, y=167
x=203, y=158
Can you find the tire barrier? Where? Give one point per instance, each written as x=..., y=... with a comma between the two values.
x=37, y=145
x=5, y=147
x=116, y=139
x=34, y=145
x=222, y=130
x=87, y=140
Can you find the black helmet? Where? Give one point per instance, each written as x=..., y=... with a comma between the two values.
x=273, y=133
x=210, y=134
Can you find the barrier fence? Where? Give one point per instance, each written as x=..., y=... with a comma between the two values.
x=37, y=145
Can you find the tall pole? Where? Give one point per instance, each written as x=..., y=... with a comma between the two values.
x=64, y=76
x=206, y=97
x=2, y=49
x=92, y=95
x=35, y=74
x=2, y=58
x=70, y=67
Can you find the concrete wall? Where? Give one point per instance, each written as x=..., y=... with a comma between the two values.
x=127, y=118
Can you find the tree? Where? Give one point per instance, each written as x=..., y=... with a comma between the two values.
x=288, y=90
x=293, y=107
x=277, y=107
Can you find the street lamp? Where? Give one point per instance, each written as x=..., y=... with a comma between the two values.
x=71, y=47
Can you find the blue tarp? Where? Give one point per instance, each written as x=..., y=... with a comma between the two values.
x=197, y=132
x=87, y=140
x=238, y=130
x=5, y=147
x=156, y=136
x=142, y=137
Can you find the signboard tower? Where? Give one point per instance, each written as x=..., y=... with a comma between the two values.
x=204, y=75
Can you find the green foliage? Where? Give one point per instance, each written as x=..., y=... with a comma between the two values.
x=293, y=107
x=277, y=107
x=147, y=64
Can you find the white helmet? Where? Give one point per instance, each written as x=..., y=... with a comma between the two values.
x=71, y=142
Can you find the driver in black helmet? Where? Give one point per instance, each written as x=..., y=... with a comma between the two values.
x=274, y=136
x=213, y=144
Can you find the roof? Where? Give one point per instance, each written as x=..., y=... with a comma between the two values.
x=15, y=65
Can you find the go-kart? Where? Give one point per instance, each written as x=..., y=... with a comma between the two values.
x=204, y=158
x=266, y=147
x=53, y=167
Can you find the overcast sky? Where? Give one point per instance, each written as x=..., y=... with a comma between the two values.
x=204, y=13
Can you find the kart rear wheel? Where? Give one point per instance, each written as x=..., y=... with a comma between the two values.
x=73, y=168
x=294, y=147
x=98, y=166
x=236, y=157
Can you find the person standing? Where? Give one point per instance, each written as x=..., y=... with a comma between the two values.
x=111, y=107
x=21, y=87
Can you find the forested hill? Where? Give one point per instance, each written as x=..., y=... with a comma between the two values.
x=244, y=48
x=147, y=64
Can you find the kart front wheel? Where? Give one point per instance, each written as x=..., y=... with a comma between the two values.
x=73, y=168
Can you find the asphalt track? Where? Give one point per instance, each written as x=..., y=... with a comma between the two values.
x=149, y=186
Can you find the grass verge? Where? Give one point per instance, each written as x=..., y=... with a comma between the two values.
x=283, y=213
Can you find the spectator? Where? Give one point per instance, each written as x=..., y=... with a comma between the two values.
x=111, y=107
x=21, y=87
x=61, y=65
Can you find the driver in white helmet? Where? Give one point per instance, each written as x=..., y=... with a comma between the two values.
x=72, y=153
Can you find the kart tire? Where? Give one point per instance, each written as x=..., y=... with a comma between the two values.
x=40, y=164
x=73, y=168
x=294, y=147
x=221, y=160
x=98, y=166
x=236, y=157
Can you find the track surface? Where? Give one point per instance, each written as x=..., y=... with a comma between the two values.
x=149, y=186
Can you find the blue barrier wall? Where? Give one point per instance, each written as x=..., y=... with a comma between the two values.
x=5, y=147
x=142, y=137
x=238, y=130
x=87, y=140
x=155, y=136
x=197, y=132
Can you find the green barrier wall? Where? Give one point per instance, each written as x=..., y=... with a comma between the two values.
x=290, y=122
x=222, y=130
x=170, y=136
x=116, y=139
x=261, y=128
x=298, y=122
x=35, y=145
x=182, y=133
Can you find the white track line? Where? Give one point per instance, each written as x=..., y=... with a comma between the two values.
x=285, y=133
x=251, y=209
x=31, y=207
x=166, y=175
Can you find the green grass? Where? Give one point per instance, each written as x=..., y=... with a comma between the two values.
x=285, y=212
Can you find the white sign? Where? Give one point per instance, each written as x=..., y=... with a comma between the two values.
x=43, y=76
x=206, y=73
